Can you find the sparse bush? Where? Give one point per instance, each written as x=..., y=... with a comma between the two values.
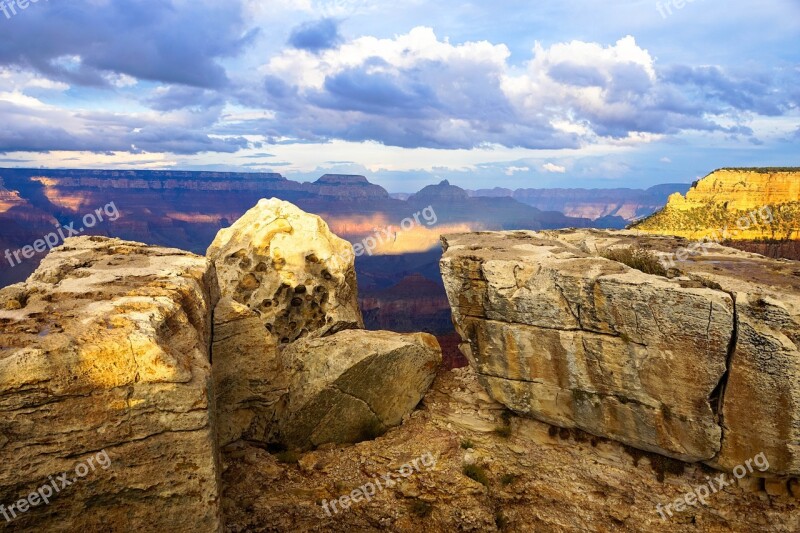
x=508, y=479
x=288, y=456
x=466, y=444
x=503, y=431
x=638, y=258
x=500, y=521
x=476, y=473
x=421, y=508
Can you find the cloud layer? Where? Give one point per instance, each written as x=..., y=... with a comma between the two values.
x=207, y=77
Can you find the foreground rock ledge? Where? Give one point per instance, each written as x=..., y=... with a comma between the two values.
x=105, y=347
x=700, y=367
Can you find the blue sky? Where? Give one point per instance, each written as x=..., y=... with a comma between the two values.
x=567, y=93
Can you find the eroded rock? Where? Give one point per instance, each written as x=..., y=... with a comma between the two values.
x=292, y=362
x=289, y=268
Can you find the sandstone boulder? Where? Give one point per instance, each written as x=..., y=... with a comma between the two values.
x=289, y=268
x=105, y=348
x=685, y=366
x=289, y=367
x=354, y=385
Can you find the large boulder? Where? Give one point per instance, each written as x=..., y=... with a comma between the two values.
x=354, y=385
x=700, y=366
x=289, y=268
x=104, y=360
x=292, y=363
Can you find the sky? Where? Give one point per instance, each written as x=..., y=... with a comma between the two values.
x=508, y=93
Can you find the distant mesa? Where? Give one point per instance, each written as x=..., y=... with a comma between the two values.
x=349, y=187
x=442, y=192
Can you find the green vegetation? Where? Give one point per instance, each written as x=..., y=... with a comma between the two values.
x=760, y=170
x=466, y=444
x=476, y=473
x=638, y=258
x=508, y=479
x=288, y=456
x=502, y=431
x=421, y=508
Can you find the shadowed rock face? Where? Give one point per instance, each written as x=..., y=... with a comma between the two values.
x=105, y=347
x=702, y=366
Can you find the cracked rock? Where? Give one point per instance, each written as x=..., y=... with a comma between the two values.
x=354, y=385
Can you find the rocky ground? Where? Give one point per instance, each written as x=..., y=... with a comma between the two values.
x=532, y=477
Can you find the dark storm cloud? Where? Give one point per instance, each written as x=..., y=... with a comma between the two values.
x=32, y=130
x=162, y=41
x=316, y=36
x=766, y=94
x=177, y=97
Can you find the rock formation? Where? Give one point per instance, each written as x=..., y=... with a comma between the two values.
x=734, y=205
x=530, y=477
x=354, y=385
x=292, y=363
x=105, y=347
x=628, y=388
x=288, y=267
x=700, y=366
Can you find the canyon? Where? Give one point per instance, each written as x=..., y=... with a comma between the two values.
x=239, y=391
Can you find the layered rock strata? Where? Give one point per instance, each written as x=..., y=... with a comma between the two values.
x=699, y=366
x=735, y=205
x=105, y=349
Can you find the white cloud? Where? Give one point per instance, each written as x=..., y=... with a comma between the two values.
x=510, y=171
x=556, y=169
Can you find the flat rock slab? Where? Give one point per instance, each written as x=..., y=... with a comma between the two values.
x=105, y=347
x=700, y=366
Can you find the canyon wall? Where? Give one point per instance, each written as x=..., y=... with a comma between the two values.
x=734, y=205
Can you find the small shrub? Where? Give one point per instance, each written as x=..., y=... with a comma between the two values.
x=466, y=444
x=476, y=473
x=500, y=521
x=421, y=508
x=503, y=431
x=508, y=479
x=288, y=456
x=637, y=258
